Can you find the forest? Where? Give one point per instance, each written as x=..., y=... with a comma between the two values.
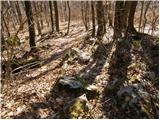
x=79, y=59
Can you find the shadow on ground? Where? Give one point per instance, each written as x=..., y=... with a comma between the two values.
x=54, y=107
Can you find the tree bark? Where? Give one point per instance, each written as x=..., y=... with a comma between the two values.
x=109, y=13
x=18, y=12
x=140, y=21
x=93, y=19
x=51, y=15
x=37, y=19
x=145, y=12
x=125, y=16
x=56, y=16
x=131, y=17
x=84, y=14
x=5, y=24
x=28, y=10
x=100, y=19
x=117, y=20
x=69, y=15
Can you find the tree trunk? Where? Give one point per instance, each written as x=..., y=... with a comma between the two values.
x=37, y=19
x=5, y=24
x=93, y=19
x=131, y=17
x=125, y=12
x=46, y=14
x=18, y=12
x=87, y=15
x=109, y=13
x=117, y=20
x=100, y=18
x=69, y=12
x=65, y=9
x=52, y=23
x=41, y=14
x=29, y=15
x=145, y=12
x=56, y=16
x=13, y=14
x=140, y=21
x=84, y=14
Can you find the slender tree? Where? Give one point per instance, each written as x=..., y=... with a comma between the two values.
x=93, y=19
x=117, y=20
x=28, y=10
x=131, y=17
x=65, y=13
x=37, y=18
x=69, y=15
x=141, y=15
x=51, y=15
x=85, y=12
x=100, y=19
x=56, y=16
x=6, y=26
x=145, y=12
x=18, y=11
x=109, y=12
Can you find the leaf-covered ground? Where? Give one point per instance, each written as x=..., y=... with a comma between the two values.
x=125, y=74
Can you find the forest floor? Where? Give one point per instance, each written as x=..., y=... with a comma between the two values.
x=127, y=79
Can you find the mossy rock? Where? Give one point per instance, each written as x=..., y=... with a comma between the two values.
x=76, y=108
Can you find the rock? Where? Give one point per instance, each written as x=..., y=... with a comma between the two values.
x=92, y=92
x=84, y=57
x=91, y=87
x=71, y=82
x=76, y=107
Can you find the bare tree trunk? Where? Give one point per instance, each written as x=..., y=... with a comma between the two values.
x=87, y=15
x=37, y=19
x=65, y=9
x=5, y=24
x=93, y=19
x=41, y=14
x=29, y=15
x=109, y=13
x=84, y=14
x=140, y=21
x=145, y=12
x=100, y=18
x=131, y=17
x=117, y=20
x=46, y=14
x=18, y=12
x=13, y=13
x=125, y=16
x=56, y=16
x=69, y=12
x=52, y=23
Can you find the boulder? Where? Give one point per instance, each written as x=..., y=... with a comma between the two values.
x=71, y=82
x=84, y=57
x=76, y=107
